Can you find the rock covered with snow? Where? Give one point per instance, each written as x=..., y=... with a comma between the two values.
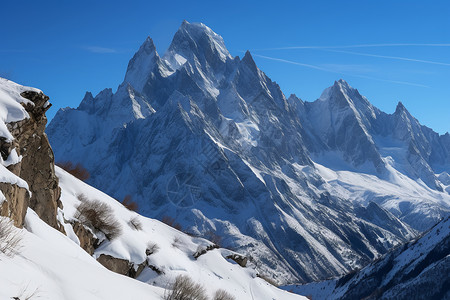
x=28, y=176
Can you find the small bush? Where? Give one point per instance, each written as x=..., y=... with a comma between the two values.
x=223, y=295
x=171, y=222
x=26, y=294
x=184, y=288
x=129, y=203
x=213, y=237
x=135, y=223
x=152, y=248
x=77, y=170
x=268, y=280
x=98, y=216
x=10, y=241
x=176, y=242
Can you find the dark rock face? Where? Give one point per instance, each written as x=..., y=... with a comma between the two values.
x=16, y=204
x=36, y=167
x=86, y=238
x=121, y=266
x=239, y=259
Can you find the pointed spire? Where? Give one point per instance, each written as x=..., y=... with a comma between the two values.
x=87, y=104
x=400, y=108
x=142, y=65
x=248, y=59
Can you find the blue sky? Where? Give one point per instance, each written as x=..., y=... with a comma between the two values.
x=67, y=48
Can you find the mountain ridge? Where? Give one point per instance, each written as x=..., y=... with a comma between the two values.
x=255, y=166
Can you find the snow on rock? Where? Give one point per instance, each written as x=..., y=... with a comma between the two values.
x=11, y=108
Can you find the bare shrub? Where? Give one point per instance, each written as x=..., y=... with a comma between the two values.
x=10, y=240
x=152, y=248
x=213, y=237
x=135, y=223
x=129, y=203
x=171, y=222
x=26, y=294
x=223, y=295
x=268, y=280
x=77, y=170
x=184, y=288
x=98, y=216
x=176, y=242
x=82, y=197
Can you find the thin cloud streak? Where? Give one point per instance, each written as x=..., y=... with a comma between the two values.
x=357, y=46
x=332, y=71
x=390, y=57
x=101, y=50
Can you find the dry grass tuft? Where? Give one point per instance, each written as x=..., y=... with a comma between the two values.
x=98, y=216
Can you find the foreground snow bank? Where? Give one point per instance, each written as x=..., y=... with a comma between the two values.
x=51, y=266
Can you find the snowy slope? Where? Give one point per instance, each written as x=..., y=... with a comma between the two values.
x=416, y=270
x=51, y=266
x=176, y=249
x=223, y=151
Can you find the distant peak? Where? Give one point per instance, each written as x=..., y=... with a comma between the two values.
x=339, y=87
x=195, y=42
x=198, y=27
x=143, y=63
x=342, y=83
x=248, y=59
x=87, y=102
x=148, y=45
x=88, y=95
x=400, y=108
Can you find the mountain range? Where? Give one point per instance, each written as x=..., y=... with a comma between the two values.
x=306, y=190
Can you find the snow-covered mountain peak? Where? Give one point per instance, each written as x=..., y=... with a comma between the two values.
x=337, y=90
x=87, y=104
x=198, y=44
x=342, y=83
x=144, y=63
x=400, y=108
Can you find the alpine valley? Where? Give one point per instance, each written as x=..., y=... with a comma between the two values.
x=305, y=190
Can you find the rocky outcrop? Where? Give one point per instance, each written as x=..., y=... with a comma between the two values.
x=121, y=266
x=36, y=166
x=86, y=238
x=16, y=204
x=239, y=259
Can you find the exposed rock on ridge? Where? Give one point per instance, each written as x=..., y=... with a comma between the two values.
x=34, y=164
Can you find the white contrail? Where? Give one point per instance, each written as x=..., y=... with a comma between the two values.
x=390, y=57
x=332, y=71
x=357, y=46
